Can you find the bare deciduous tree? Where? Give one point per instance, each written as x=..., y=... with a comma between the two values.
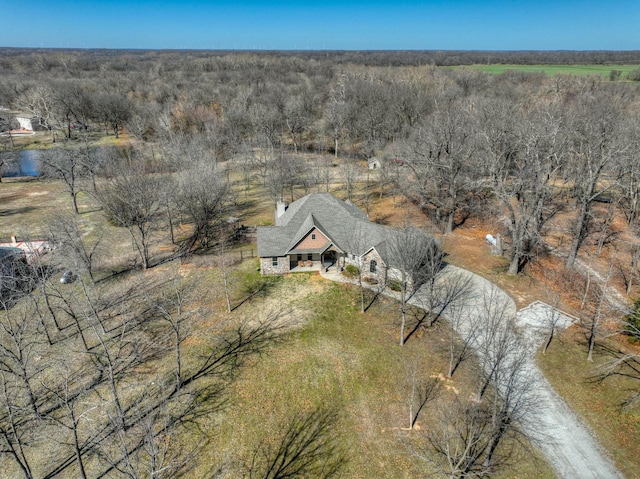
x=411, y=251
x=593, y=148
x=421, y=391
x=440, y=156
x=132, y=198
x=524, y=165
x=349, y=175
x=475, y=438
x=79, y=249
x=202, y=197
x=68, y=165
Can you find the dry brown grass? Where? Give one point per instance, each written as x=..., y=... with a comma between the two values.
x=352, y=361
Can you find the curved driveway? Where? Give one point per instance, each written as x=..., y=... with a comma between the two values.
x=565, y=441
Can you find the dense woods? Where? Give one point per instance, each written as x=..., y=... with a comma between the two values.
x=521, y=150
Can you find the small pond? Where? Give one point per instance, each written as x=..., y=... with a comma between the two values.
x=26, y=164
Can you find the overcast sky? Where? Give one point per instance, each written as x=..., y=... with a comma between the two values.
x=330, y=24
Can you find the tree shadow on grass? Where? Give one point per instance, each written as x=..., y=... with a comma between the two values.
x=17, y=211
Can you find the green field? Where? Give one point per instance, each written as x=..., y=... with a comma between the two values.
x=552, y=70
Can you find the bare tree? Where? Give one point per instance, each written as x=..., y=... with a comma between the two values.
x=298, y=113
x=497, y=341
x=458, y=443
x=176, y=307
x=410, y=252
x=594, y=147
x=552, y=319
x=20, y=347
x=322, y=172
x=202, y=197
x=335, y=121
x=476, y=438
x=349, y=174
x=132, y=198
x=593, y=319
x=629, y=171
x=72, y=411
x=114, y=109
x=39, y=101
x=78, y=249
x=463, y=330
x=68, y=165
x=440, y=156
x=17, y=431
x=421, y=391
x=524, y=165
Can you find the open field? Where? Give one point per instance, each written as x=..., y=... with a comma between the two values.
x=42, y=140
x=553, y=70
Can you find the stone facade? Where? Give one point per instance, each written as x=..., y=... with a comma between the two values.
x=380, y=273
x=267, y=267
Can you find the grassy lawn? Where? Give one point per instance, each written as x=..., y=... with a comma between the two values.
x=617, y=428
x=350, y=360
x=552, y=70
x=42, y=140
x=27, y=204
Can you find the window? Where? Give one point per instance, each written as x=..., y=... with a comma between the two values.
x=299, y=257
x=373, y=266
x=309, y=256
x=274, y=261
x=313, y=236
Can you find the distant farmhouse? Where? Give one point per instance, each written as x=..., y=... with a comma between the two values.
x=15, y=258
x=320, y=231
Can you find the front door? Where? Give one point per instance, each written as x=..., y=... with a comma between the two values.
x=330, y=257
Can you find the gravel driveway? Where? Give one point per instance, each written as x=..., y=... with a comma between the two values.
x=566, y=442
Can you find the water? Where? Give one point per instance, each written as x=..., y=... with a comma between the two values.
x=26, y=164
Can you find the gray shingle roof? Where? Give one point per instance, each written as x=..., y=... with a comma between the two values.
x=346, y=226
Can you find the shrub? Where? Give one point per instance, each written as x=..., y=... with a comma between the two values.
x=634, y=75
x=371, y=280
x=632, y=323
x=351, y=271
x=394, y=285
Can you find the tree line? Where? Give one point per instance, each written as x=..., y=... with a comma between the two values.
x=126, y=59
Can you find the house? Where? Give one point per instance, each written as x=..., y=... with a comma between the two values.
x=32, y=250
x=319, y=231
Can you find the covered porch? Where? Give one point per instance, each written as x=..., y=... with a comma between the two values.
x=301, y=261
